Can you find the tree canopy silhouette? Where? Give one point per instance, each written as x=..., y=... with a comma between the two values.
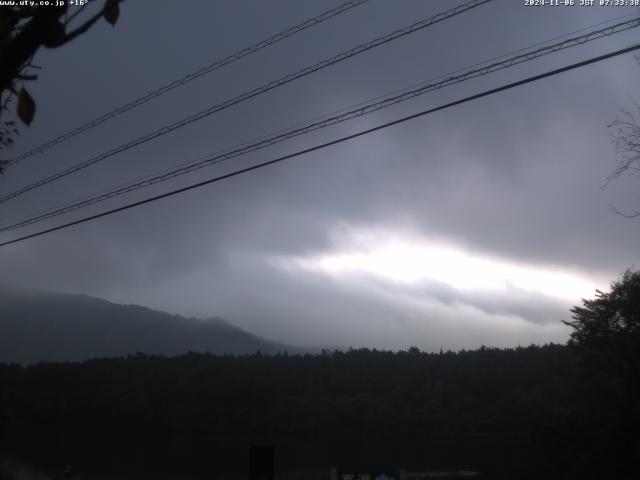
x=25, y=28
x=606, y=337
x=610, y=316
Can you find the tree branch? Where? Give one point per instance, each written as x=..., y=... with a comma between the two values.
x=74, y=15
x=622, y=214
x=26, y=77
x=89, y=22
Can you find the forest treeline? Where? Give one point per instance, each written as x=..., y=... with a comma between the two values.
x=553, y=411
x=490, y=410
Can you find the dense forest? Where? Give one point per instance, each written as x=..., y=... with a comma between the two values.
x=551, y=411
x=489, y=410
x=474, y=405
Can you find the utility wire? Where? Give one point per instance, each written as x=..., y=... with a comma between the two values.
x=253, y=93
x=223, y=62
x=235, y=173
x=355, y=112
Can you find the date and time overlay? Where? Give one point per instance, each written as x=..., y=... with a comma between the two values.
x=526, y=3
x=581, y=3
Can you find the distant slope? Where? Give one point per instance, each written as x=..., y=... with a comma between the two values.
x=38, y=326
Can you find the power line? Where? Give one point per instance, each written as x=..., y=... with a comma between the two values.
x=355, y=112
x=235, y=173
x=253, y=93
x=223, y=62
x=309, y=126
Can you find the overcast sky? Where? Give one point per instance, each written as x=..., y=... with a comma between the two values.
x=481, y=224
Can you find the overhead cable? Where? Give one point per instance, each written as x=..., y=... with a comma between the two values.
x=360, y=110
x=223, y=62
x=252, y=93
x=299, y=153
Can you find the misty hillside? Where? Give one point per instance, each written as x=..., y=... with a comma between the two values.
x=38, y=326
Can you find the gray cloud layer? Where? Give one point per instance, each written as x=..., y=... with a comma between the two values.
x=516, y=175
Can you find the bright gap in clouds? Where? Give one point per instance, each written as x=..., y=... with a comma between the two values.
x=407, y=259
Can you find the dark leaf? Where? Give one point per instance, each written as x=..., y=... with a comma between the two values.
x=54, y=35
x=26, y=107
x=112, y=11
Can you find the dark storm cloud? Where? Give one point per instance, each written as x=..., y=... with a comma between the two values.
x=516, y=175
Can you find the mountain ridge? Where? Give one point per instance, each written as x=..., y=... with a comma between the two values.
x=37, y=325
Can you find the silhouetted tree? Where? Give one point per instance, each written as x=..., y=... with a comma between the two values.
x=611, y=316
x=606, y=337
x=23, y=30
